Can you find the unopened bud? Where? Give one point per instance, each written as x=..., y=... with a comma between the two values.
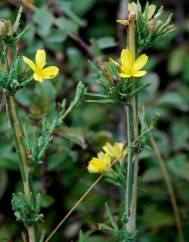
x=5, y=28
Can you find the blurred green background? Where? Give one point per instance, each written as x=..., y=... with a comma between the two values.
x=73, y=32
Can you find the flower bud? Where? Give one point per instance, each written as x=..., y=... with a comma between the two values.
x=5, y=28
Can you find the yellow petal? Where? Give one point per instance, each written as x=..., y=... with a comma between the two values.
x=93, y=166
x=38, y=77
x=139, y=73
x=49, y=72
x=107, y=148
x=124, y=75
x=40, y=59
x=126, y=59
x=151, y=11
x=97, y=165
x=123, y=21
x=140, y=62
x=29, y=62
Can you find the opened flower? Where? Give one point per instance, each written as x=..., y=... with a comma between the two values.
x=116, y=151
x=106, y=158
x=40, y=71
x=129, y=67
x=99, y=164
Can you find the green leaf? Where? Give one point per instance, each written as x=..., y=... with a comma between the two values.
x=110, y=217
x=56, y=36
x=75, y=135
x=180, y=126
x=186, y=69
x=179, y=166
x=152, y=174
x=46, y=200
x=66, y=25
x=176, y=60
x=106, y=42
x=171, y=98
x=66, y=7
x=81, y=9
x=44, y=19
x=160, y=218
x=46, y=94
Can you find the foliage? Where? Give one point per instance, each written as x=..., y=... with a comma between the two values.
x=62, y=172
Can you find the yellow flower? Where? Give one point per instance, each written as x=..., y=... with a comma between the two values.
x=129, y=66
x=116, y=151
x=99, y=164
x=41, y=73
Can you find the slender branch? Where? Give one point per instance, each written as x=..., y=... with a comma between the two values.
x=80, y=200
x=169, y=188
x=73, y=208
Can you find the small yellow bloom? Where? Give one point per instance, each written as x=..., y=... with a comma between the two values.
x=116, y=151
x=99, y=164
x=41, y=73
x=129, y=66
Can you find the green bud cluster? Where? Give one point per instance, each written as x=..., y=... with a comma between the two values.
x=117, y=90
x=5, y=29
x=118, y=231
x=8, y=31
x=37, y=146
x=14, y=79
x=26, y=211
x=153, y=25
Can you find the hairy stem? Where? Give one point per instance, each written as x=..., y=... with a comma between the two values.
x=19, y=142
x=132, y=134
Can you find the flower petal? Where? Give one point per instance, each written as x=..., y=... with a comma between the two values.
x=124, y=75
x=123, y=21
x=139, y=73
x=140, y=62
x=38, y=77
x=30, y=63
x=49, y=72
x=40, y=59
x=127, y=59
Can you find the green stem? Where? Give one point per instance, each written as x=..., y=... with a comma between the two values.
x=19, y=141
x=132, y=134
